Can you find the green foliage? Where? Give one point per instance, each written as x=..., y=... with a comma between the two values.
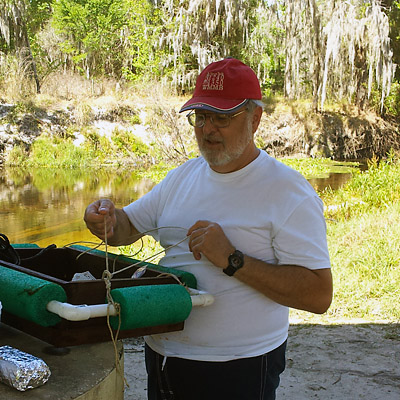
x=144, y=28
x=364, y=242
x=118, y=37
x=97, y=148
x=263, y=51
x=379, y=186
x=135, y=119
x=146, y=249
x=127, y=144
x=365, y=255
x=376, y=188
x=142, y=40
x=39, y=12
x=318, y=167
x=52, y=152
x=392, y=102
x=393, y=11
x=92, y=138
x=93, y=29
x=17, y=157
x=157, y=172
x=31, y=15
x=168, y=40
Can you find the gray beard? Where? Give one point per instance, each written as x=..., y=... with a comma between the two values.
x=220, y=158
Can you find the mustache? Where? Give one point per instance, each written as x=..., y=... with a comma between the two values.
x=212, y=138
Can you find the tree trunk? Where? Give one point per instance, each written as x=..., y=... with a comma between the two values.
x=317, y=51
x=31, y=59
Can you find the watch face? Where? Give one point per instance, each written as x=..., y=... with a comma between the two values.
x=235, y=261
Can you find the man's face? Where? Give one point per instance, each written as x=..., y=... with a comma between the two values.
x=227, y=149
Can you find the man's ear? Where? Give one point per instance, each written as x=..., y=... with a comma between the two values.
x=257, y=114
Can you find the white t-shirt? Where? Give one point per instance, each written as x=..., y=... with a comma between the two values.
x=267, y=211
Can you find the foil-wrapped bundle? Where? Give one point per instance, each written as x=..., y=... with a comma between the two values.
x=21, y=370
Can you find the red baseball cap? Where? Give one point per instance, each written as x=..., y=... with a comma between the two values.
x=224, y=86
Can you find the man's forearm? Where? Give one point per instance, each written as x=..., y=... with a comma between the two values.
x=124, y=232
x=289, y=285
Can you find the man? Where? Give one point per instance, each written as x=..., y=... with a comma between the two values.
x=256, y=241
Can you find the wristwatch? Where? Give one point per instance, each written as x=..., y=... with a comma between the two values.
x=235, y=262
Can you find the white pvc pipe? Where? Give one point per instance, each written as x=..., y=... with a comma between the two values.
x=200, y=298
x=84, y=312
x=81, y=312
x=71, y=312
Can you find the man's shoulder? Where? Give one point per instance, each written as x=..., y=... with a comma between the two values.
x=283, y=177
x=191, y=164
x=276, y=169
x=189, y=167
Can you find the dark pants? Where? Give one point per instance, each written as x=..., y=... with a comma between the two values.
x=255, y=378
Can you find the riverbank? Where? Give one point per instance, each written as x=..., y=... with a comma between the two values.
x=145, y=128
x=347, y=361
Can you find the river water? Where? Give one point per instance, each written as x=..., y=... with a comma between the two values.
x=46, y=206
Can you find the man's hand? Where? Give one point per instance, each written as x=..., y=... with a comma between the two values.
x=209, y=239
x=99, y=214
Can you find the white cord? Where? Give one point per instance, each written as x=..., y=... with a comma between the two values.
x=149, y=258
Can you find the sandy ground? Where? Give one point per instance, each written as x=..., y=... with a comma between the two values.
x=342, y=362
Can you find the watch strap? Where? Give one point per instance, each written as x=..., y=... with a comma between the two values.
x=235, y=262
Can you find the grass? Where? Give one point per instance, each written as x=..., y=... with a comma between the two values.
x=363, y=229
x=365, y=257
x=376, y=188
x=319, y=167
x=145, y=250
x=365, y=253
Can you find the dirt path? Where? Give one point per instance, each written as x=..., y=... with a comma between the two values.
x=341, y=362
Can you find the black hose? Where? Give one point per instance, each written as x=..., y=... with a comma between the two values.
x=7, y=252
x=49, y=247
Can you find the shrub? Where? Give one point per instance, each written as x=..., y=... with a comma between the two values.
x=17, y=157
x=128, y=144
x=52, y=152
x=392, y=102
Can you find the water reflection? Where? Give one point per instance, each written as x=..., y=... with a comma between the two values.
x=46, y=206
x=333, y=180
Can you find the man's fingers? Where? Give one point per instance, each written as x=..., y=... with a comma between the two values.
x=105, y=207
x=198, y=225
x=100, y=217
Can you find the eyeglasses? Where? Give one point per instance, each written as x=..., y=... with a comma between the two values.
x=218, y=120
